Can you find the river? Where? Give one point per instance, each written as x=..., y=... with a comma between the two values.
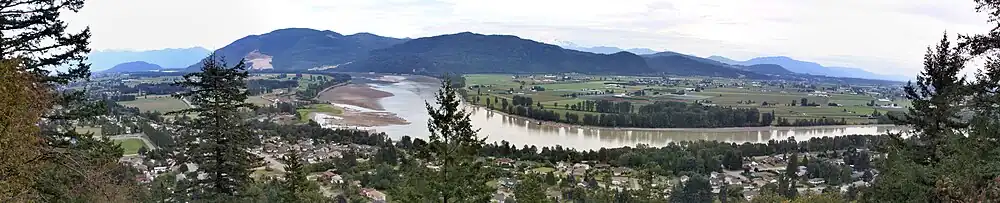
x=409, y=97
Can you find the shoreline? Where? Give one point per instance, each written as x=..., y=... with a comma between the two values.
x=723, y=129
x=360, y=95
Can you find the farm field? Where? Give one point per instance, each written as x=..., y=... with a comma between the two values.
x=553, y=95
x=130, y=146
x=304, y=113
x=161, y=103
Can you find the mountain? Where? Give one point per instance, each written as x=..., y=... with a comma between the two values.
x=169, y=58
x=476, y=53
x=134, y=66
x=301, y=49
x=684, y=65
x=812, y=68
x=604, y=49
x=641, y=51
x=770, y=69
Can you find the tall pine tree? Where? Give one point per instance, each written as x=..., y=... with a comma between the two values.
x=453, y=145
x=218, y=138
x=70, y=166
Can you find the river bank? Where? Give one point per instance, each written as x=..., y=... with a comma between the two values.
x=361, y=95
x=725, y=129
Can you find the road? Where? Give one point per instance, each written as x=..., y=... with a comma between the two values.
x=149, y=144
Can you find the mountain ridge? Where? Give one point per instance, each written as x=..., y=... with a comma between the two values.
x=301, y=49
x=808, y=67
x=166, y=58
x=133, y=66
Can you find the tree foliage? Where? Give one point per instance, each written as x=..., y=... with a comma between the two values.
x=218, y=138
x=453, y=145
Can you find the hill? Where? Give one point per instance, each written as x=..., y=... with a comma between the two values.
x=807, y=67
x=135, y=66
x=769, y=69
x=476, y=53
x=168, y=58
x=686, y=66
x=301, y=49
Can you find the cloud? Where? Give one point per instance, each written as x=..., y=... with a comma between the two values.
x=887, y=36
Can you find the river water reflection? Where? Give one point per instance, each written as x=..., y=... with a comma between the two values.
x=409, y=98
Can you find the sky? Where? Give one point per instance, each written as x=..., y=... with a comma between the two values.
x=881, y=36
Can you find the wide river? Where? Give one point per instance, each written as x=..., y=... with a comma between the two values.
x=409, y=97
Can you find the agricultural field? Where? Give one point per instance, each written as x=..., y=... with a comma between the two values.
x=553, y=92
x=304, y=113
x=161, y=103
x=131, y=146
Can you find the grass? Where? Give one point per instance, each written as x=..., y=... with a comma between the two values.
x=543, y=170
x=258, y=100
x=161, y=103
x=131, y=146
x=303, y=113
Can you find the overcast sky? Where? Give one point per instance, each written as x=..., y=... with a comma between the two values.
x=882, y=36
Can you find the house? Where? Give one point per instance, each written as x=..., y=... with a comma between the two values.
x=373, y=194
x=620, y=171
x=329, y=175
x=499, y=197
x=579, y=172
x=602, y=166
x=141, y=178
x=816, y=181
x=505, y=162
x=618, y=180
x=581, y=165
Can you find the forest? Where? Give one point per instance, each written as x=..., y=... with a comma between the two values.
x=660, y=114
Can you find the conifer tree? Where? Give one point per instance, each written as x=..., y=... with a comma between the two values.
x=453, y=145
x=71, y=166
x=218, y=139
x=530, y=189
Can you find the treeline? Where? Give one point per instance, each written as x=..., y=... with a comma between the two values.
x=149, y=89
x=255, y=87
x=810, y=122
x=660, y=114
x=313, y=89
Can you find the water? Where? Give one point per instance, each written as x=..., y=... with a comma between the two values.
x=408, y=103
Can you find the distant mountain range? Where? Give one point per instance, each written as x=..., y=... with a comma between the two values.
x=134, y=66
x=301, y=49
x=812, y=68
x=604, y=49
x=476, y=53
x=166, y=58
x=296, y=49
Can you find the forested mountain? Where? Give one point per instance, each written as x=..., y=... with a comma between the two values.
x=135, y=66
x=167, y=58
x=476, y=53
x=767, y=69
x=685, y=66
x=301, y=49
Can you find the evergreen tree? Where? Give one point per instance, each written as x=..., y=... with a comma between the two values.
x=935, y=97
x=66, y=166
x=530, y=189
x=453, y=145
x=218, y=139
x=695, y=190
x=295, y=186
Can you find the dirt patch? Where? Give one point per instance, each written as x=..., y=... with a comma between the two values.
x=353, y=118
x=355, y=94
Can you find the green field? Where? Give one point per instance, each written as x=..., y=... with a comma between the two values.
x=131, y=146
x=161, y=103
x=303, y=113
x=850, y=106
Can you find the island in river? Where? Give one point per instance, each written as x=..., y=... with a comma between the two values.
x=409, y=94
